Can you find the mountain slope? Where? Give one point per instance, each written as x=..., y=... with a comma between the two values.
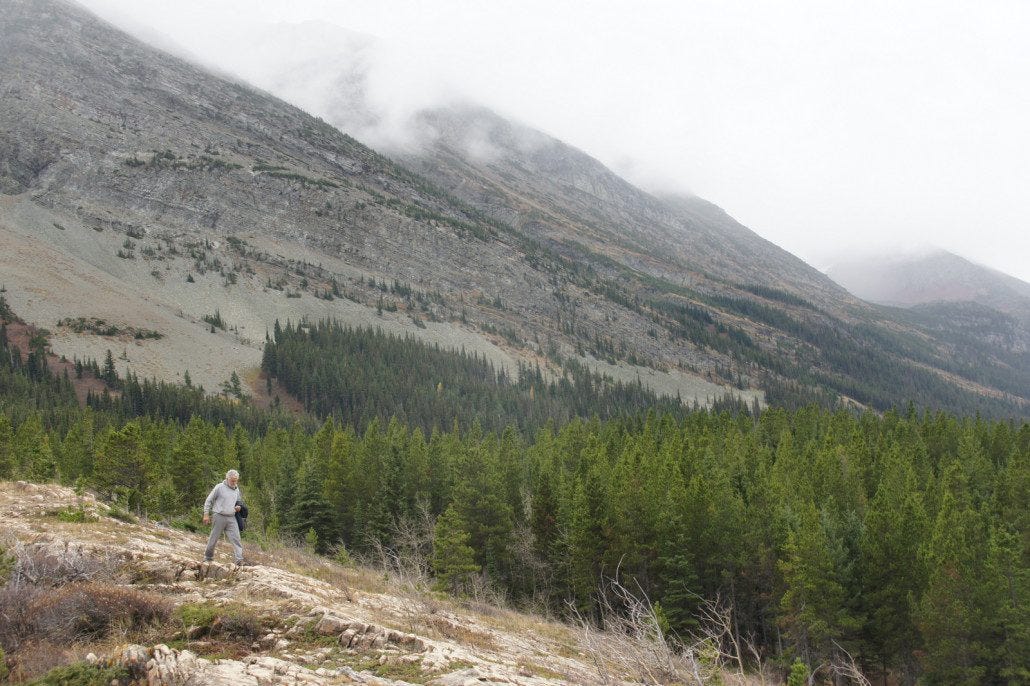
x=552, y=189
x=148, y=192
x=112, y=140
x=936, y=276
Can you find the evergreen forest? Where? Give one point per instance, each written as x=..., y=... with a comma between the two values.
x=357, y=375
x=901, y=538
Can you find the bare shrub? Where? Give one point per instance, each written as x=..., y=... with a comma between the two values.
x=36, y=658
x=50, y=565
x=15, y=616
x=410, y=550
x=726, y=649
x=484, y=597
x=632, y=643
x=38, y=624
x=843, y=666
x=91, y=611
x=407, y=559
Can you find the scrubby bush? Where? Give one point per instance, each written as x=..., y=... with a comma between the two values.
x=122, y=514
x=230, y=621
x=37, y=622
x=47, y=566
x=196, y=614
x=83, y=674
x=91, y=611
x=15, y=621
x=7, y=561
x=74, y=515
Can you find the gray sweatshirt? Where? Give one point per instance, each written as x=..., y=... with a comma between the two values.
x=222, y=499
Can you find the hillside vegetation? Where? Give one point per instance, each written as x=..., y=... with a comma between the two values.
x=897, y=541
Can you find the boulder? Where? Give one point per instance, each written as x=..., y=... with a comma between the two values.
x=331, y=625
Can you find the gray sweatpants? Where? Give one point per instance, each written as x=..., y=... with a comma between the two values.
x=226, y=523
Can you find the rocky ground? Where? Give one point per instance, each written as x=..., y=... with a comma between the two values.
x=321, y=623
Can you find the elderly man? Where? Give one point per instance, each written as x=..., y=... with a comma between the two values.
x=222, y=505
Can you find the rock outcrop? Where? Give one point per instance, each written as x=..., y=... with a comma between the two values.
x=345, y=626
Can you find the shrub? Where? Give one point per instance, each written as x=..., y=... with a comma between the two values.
x=215, y=320
x=46, y=566
x=14, y=614
x=91, y=611
x=7, y=561
x=122, y=514
x=230, y=620
x=196, y=614
x=83, y=674
x=238, y=623
x=798, y=673
x=36, y=659
x=74, y=515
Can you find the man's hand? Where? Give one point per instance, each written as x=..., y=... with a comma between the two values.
x=207, y=519
x=237, y=508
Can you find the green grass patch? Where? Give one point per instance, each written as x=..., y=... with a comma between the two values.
x=83, y=674
x=73, y=515
x=122, y=515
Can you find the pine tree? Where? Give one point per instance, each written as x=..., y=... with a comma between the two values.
x=109, y=373
x=892, y=575
x=955, y=611
x=311, y=511
x=813, y=603
x=193, y=471
x=7, y=458
x=33, y=455
x=1009, y=561
x=453, y=559
x=122, y=462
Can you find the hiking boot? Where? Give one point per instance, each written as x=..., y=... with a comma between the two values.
x=244, y=563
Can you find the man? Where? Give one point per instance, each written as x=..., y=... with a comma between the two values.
x=221, y=504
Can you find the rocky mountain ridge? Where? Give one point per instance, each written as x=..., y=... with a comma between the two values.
x=168, y=195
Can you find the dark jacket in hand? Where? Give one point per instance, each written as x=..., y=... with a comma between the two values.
x=241, y=516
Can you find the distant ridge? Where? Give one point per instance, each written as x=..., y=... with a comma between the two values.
x=932, y=277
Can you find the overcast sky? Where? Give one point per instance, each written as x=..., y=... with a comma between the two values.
x=827, y=127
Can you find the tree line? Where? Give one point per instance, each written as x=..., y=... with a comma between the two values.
x=357, y=375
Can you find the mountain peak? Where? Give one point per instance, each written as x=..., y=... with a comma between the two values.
x=930, y=275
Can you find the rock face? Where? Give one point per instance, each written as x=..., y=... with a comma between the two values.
x=164, y=666
x=551, y=189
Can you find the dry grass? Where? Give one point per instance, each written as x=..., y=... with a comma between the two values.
x=460, y=633
x=534, y=668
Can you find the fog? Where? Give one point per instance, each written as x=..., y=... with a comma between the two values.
x=828, y=128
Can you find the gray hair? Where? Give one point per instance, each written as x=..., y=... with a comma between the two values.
x=231, y=473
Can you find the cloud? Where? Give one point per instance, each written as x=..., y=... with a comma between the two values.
x=820, y=125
